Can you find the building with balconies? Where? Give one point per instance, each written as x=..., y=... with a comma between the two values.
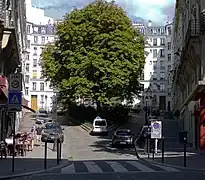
x=12, y=30
x=189, y=70
x=40, y=31
x=158, y=50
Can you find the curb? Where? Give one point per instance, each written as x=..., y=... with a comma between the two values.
x=64, y=164
x=168, y=165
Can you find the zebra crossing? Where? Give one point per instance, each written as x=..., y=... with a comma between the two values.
x=114, y=166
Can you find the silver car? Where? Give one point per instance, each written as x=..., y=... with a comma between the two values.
x=122, y=137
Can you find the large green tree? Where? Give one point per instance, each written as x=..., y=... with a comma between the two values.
x=98, y=54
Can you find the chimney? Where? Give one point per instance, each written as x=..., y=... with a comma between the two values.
x=149, y=23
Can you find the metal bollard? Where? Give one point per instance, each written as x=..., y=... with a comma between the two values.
x=148, y=147
x=162, y=149
x=185, y=142
x=58, y=153
x=60, y=149
x=45, y=155
x=153, y=149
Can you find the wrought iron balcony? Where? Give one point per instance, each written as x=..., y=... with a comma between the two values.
x=193, y=30
x=202, y=22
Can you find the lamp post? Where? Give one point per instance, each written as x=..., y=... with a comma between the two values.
x=148, y=108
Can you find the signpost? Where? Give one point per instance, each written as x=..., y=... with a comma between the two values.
x=14, y=103
x=156, y=131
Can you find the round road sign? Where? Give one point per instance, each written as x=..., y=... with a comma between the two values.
x=15, y=84
x=156, y=125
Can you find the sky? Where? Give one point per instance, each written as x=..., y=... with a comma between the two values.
x=158, y=11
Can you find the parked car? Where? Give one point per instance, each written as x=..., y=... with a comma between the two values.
x=99, y=126
x=122, y=137
x=143, y=135
x=51, y=131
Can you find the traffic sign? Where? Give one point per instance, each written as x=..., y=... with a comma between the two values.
x=15, y=82
x=15, y=101
x=156, y=129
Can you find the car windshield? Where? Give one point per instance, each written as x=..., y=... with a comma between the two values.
x=100, y=123
x=124, y=133
x=51, y=126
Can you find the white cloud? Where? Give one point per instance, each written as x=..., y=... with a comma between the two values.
x=155, y=10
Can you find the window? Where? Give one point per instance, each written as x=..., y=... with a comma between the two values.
x=34, y=86
x=169, y=57
x=169, y=45
x=162, y=65
x=162, y=87
x=154, y=75
x=27, y=67
x=43, y=39
x=155, y=42
x=169, y=68
x=34, y=62
x=28, y=29
x=34, y=74
x=155, y=53
x=41, y=86
x=169, y=31
x=162, y=52
x=162, y=31
x=26, y=91
x=28, y=58
x=35, y=39
x=43, y=30
x=35, y=51
x=162, y=75
x=27, y=79
x=28, y=44
x=154, y=64
x=162, y=41
x=150, y=63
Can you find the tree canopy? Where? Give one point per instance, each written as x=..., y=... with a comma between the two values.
x=98, y=54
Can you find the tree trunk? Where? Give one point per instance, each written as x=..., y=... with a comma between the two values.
x=98, y=108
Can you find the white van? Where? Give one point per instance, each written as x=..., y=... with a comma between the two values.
x=99, y=126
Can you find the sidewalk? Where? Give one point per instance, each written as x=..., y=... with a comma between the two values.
x=194, y=160
x=34, y=160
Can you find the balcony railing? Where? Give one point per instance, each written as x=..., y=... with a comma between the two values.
x=193, y=30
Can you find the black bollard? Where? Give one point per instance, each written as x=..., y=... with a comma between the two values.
x=60, y=149
x=45, y=155
x=58, y=153
x=162, y=149
x=148, y=147
x=185, y=142
x=153, y=149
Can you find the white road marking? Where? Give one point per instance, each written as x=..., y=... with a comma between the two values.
x=116, y=166
x=92, y=167
x=68, y=169
x=140, y=166
x=166, y=168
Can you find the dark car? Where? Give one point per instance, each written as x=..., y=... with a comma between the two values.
x=122, y=137
x=143, y=135
x=51, y=131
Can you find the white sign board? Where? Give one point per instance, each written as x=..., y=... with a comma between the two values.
x=156, y=129
x=15, y=82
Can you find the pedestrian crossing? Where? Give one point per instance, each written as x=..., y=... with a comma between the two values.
x=121, y=166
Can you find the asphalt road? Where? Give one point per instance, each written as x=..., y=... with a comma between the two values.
x=120, y=176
